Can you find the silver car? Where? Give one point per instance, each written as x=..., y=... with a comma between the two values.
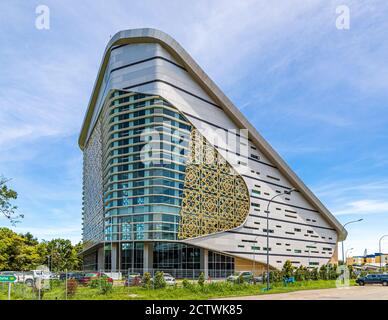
x=170, y=280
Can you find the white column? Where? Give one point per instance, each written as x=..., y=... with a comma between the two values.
x=206, y=263
x=100, y=258
x=114, y=257
x=148, y=256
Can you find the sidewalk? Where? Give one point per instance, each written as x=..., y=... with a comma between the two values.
x=372, y=292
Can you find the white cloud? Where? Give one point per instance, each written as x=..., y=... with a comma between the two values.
x=52, y=232
x=366, y=206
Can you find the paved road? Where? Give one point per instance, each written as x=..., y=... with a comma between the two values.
x=371, y=292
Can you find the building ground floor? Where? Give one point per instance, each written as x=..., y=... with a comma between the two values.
x=179, y=259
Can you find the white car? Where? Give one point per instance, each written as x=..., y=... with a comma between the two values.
x=170, y=280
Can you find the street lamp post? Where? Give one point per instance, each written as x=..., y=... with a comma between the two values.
x=381, y=257
x=346, y=254
x=353, y=221
x=267, y=211
x=254, y=256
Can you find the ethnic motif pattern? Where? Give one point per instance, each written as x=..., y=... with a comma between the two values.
x=93, y=211
x=215, y=197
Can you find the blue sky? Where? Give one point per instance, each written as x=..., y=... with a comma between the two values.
x=319, y=95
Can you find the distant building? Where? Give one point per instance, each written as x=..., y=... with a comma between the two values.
x=369, y=259
x=383, y=257
x=356, y=260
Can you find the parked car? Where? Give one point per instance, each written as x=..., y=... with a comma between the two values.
x=54, y=276
x=26, y=277
x=134, y=279
x=245, y=276
x=72, y=275
x=92, y=276
x=30, y=277
x=373, y=279
x=170, y=280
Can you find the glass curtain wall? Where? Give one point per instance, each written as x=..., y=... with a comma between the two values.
x=220, y=266
x=145, y=146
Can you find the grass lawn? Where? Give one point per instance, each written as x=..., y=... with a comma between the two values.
x=195, y=292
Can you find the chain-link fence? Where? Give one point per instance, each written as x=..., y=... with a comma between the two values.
x=85, y=284
x=38, y=285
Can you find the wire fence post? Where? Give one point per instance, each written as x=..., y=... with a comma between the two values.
x=9, y=290
x=99, y=278
x=66, y=284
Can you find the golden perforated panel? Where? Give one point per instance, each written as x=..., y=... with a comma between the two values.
x=215, y=197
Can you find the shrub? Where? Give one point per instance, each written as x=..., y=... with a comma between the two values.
x=54, y=283
x=307, y=274
x=94, y=283
x=105, y=286
x=315, y=274
x=136, y=281
x=147, y=280
x=159, y=281
x=201, y=279
x=288, y=269
x=102, y=283
x=188, y=285
x=333, y=271
x=352, y=274
x=302, y=274
x=72, y=286
x=274, y=276
x=323, y=272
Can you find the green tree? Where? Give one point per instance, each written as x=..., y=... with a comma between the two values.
x=275, y=276
x=21, y=252
x=30, y=239
x=159, y=281
x=323, y=272
x=77, y=262
x=201, y=279
x=300, y=273
x=62, y=255
x=352, y=275
x=147, y=280
x=7, y=209
x=308, y=273
x=288, y=269
x=333, y=271
x=315, y=274
x=18, y=252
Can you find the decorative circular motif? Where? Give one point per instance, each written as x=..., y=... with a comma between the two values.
x=215, y=197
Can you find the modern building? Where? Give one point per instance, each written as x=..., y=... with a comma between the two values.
x=176, y=178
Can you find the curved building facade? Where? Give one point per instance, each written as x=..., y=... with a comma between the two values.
x=175, y=178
